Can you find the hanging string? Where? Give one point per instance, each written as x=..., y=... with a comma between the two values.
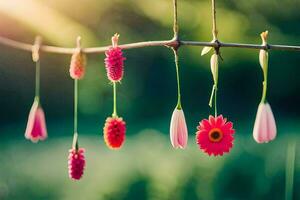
x=178, y=80
x=214, y=62
x=36, y=58
x=115, y=100
x=75, y=138
x=37, y=80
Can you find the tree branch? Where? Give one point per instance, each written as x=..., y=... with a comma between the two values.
x=166, y=43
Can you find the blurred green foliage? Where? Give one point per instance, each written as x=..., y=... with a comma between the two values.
x=147, y=167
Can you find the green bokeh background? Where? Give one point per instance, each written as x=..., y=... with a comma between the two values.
x=147, y=167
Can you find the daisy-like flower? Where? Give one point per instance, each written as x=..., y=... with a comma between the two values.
x=264, y=127
x=178, y=129
x=114, y=132
x=36, y=125
x=76, y=163
x=215, y=135
x=114, y=61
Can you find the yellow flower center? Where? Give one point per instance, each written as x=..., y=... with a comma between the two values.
x=215, y=135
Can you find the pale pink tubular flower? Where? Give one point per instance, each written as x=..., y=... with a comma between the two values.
x=178, y=129
x=36, y=125
x=265, y=127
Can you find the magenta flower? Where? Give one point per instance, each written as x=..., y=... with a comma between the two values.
x=215, y=135
x=178, y=129
x=76, y=163
x=114, y=61
x=265, y=126
x=36, y=125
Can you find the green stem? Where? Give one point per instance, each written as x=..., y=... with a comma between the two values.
x=212, y=96
x=37, y=80
x=290, y=167
x=75, y=105
x=75, y=144
x=115, y=99
x=265, y=84
x=178, y=106
x=175, y=25
x=216, y=110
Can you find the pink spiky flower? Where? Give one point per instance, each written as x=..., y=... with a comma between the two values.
x=114, y=61
x=76, y=162
x=114, y=132
x=215, y=135
x=36, y=126
x=77, y=65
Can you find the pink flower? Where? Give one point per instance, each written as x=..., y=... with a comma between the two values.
x=178, y=129
x=114, y=132
x=36, y=125
x=114, y=61
x=264, y=127
x=215, y=135
x=76, y=163
x=77, y=65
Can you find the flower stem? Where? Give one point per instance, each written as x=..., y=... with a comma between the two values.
x=265, y=84
x=37, y=80
x=178, y=106
x=75, y=139
x=216, y=109
x=115, y=99
x=75, y=142
x=289, y=173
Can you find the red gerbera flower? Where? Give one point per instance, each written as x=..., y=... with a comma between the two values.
x=114, y=132
x=215, y=135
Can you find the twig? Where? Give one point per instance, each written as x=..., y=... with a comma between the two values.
x=167, y=43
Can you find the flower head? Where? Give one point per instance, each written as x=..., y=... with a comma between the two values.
x=76, y=163
x=215, y=135
x=178, y=129
x=36, y=125
x=264, y=126
x=114, y=61
x=77, y=66
x=114, y=132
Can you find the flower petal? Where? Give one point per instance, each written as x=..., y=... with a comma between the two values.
x=272, y=130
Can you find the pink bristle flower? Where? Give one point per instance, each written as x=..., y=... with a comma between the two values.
x=215, y=135
x=114, y=61
x=77, y=65
x=114, y=132
x=76, y=163
x=265, y=127
x=36, y=126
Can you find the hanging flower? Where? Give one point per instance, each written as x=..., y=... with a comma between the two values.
x=77, y=66
x=114, y=132
x=215, y=135
x=76, y=163
x=265, y=126
x=178, y=129
x=36, y=125
x=114, y=61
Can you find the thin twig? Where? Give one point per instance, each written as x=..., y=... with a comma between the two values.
x=167, y=43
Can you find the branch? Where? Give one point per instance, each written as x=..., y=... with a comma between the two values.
x=166, y=43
